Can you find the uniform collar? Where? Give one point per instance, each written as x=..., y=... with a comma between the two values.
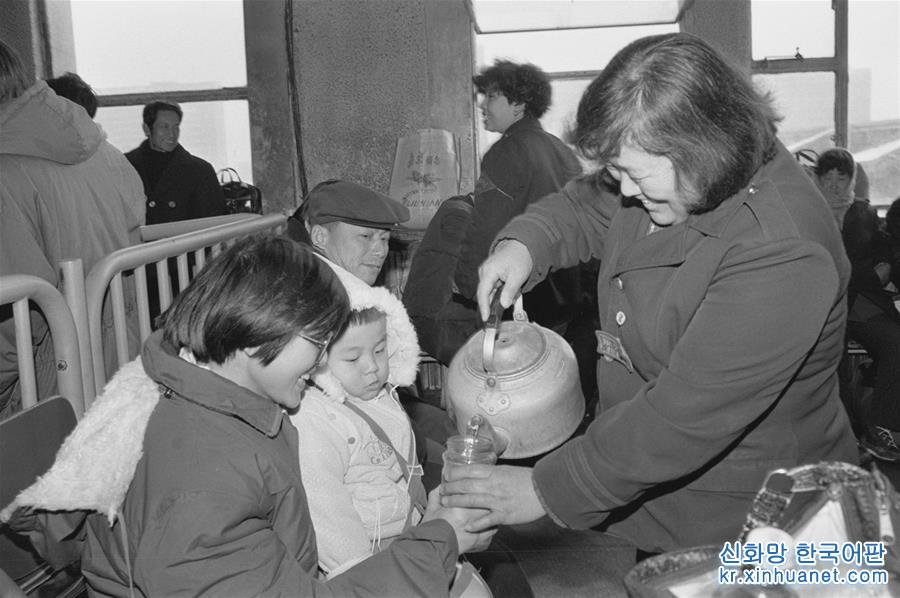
x=207, y=389
x=178, y=153
x=713, y=223
x=669, y=246
x=526, y=123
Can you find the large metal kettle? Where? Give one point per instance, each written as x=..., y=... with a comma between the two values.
x=522, y=378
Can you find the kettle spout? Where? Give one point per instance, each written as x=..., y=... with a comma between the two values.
x=478, y=425
x=501, y=440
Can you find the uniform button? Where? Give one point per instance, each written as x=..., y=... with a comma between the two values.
x=152, y=204
x=620, y=318
x=619, y=284
x=171, y=204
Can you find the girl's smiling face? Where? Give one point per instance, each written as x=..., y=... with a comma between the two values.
x=283, y=380
x=651, y=180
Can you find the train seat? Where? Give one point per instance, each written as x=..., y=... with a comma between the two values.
x=29, y=441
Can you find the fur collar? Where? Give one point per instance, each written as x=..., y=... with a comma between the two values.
x=402, y=342
x=86, y=474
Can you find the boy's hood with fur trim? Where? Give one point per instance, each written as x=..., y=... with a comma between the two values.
x=402, y=341
x=86, y=475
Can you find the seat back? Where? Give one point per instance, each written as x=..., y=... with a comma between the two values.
x=29, y=441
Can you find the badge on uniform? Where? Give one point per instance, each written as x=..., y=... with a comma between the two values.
x=610, y=347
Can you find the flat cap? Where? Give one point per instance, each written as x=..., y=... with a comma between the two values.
x=344, y=201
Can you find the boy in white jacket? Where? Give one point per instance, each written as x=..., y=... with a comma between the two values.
x=357, y=450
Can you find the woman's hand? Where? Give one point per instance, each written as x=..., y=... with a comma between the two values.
x=506, y=491
x=460, y=519
x=509, y=263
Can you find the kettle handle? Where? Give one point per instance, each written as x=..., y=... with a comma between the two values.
x=492, y=327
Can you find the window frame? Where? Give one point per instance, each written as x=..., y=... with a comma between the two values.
x=180, y=96
x=837, y=64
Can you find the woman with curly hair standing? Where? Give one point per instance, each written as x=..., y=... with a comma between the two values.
x=525, y=164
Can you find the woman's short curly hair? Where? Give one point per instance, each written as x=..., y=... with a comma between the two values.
x=672, y=95
x=520, y=83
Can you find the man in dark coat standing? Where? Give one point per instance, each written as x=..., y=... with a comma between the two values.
x=178, y=185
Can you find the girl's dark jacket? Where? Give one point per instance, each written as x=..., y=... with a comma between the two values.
x=733, y=326
x=183, y=483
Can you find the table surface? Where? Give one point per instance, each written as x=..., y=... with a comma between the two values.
x=555, y=562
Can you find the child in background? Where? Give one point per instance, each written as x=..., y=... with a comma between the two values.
x=357, y=449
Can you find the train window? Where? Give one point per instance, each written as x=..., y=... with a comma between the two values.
x=562, y=50
x=805, y=101
x=127, y=47
x=782, y=29
x=834, y=68
x=874, y=96
x=152, y=52
x=216, y=131
x=572, y=58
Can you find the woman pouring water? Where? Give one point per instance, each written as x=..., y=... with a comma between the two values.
x=722, y=302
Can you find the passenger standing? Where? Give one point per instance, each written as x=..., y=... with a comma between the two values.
x=722, y=293
x=65, y=193
x=178, y=185
x=525, y=164
x=74, y=88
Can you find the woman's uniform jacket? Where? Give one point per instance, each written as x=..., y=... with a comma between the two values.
x=189, y=485
x=732, y=325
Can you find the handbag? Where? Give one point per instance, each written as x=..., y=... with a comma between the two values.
x=239, y=196
x=829, y=518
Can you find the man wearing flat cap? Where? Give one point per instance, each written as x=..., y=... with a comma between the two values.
x=349, y=224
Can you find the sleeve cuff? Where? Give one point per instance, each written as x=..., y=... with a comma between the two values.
x=568, y=490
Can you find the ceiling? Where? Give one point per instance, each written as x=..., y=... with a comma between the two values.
x=494, y=16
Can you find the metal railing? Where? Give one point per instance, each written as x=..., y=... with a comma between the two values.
x=109, y=276
x=19, y=290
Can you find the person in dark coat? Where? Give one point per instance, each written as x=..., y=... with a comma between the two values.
x=722, y=301
x=892, y=230
x=178, y=185
x=872, y=320
x=525, y=164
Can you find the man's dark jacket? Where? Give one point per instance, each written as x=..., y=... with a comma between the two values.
x=186, y=189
